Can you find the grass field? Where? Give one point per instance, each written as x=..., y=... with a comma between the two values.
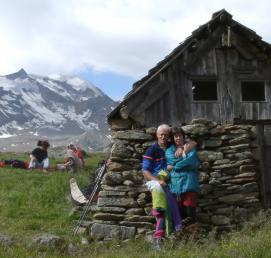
x=32, y=202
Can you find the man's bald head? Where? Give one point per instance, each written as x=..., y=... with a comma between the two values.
x=162, y=134
x=164, y=128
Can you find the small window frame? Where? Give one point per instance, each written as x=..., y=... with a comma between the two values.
x=207, y=79
x=252, y=81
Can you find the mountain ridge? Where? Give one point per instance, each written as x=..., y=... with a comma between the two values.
x=47, y=107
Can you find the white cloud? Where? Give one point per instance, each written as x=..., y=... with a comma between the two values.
x=120, y=36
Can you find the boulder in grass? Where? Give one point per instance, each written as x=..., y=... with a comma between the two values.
x=6, y=240
x=105, y=231
x=48, y=241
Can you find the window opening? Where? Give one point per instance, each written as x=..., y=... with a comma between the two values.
x=253, y=91
x=204, y=90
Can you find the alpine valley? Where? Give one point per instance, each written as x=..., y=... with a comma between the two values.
x=61, y=109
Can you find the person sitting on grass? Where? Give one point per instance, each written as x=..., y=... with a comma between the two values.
x=15, y=163
x=71, y=162
x=81, y=155
x=39, y=156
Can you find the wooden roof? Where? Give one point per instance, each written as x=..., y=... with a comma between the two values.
x=221, y=17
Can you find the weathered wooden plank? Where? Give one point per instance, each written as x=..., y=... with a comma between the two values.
x=261, y=143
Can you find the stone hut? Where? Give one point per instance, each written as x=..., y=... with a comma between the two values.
x=217, y=82
x=229, y=176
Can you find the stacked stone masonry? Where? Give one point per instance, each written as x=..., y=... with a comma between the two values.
x=229, y=176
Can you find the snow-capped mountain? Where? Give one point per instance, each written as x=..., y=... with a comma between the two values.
x=52, y=107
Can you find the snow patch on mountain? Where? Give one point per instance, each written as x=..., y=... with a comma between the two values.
x=66, y=105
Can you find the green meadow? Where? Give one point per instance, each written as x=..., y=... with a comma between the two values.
x=32, y=202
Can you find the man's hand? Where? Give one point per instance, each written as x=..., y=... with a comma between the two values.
x=179, y=152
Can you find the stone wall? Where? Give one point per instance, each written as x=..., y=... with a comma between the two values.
x=228, y=175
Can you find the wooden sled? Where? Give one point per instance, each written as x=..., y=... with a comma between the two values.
x=76, y=194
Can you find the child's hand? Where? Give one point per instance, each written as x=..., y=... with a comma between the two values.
x=162, y=182
x=169, y=167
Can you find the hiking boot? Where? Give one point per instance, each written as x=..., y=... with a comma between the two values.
x=157, y=244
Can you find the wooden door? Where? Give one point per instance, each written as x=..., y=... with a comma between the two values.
x=264, y=141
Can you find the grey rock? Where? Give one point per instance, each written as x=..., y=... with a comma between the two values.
x=240, y=146
x=220, y=220
x=214, y=181
x=127, y=232
x=204, y=218
x=224, y=211
x=226, y=137
x=137, y=224
x=133, y=175
x=111, y=209
x=240, y=155
x=247, y=174
x=6, y=240
x=142, y=196
x=151, y=131
x=250, y=187
x=203, y=177
x=124, y=188
x=148, y=144
x=120, y=202
x=112, y=178
x=72, y=249
x=102, y=231
x=248, y=168
x=141, y=202
x=205, y=189
x=128, y=183
x=209, y=124
x=135, y=211
x=210, y=155
x=241, y=180
x=132, y=194
x=48, y=240
x=120, y=150
x=233, y=164
x=108, y=216
x=139, y=218
x=117, y=166
x=195, y=129
x=240, y=140
x=215, y=174
x=212, y=143
x=81, y=230
x=232, y=198
x=217, y=130
x=205, y=166
x=111, y=193
x=239, y=131
x=230, y=170
x=139, y=149
x=84, y=241
x=133, y=135
x=234, y=188
x=237, y=127
x=221, y=161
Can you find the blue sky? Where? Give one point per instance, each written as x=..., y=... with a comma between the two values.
x=112, y=43
x=114, y=85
